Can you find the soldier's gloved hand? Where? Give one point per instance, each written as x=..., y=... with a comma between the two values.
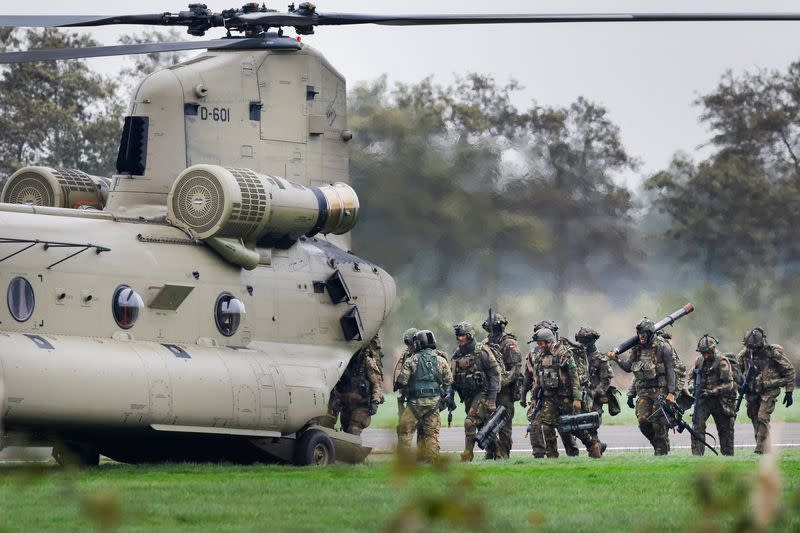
x=630, y=402
x=670, y=398
x=373, y=408
x=523, y=401
x=577, y=405
x=612, y=355
x=787, y=400
x=491, y=406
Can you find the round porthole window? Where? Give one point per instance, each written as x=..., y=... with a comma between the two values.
x=126, y=306
x=20, y=299
x=228, y=313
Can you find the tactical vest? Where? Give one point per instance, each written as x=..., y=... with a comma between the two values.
x=354, y=380
x=767, y=369
x=581, y=360
x=550, y=375
x=596, y=363
x=427, y=379
x=468, y=375
x=648, y=369
x=498, y=355
x=709, y=374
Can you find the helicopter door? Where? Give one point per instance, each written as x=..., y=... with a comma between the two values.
x=282, y=90
x=267, y=395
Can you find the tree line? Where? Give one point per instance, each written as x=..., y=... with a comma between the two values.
x=460, y=188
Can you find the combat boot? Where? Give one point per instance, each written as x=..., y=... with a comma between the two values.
x=595, y=450
x=467, y=455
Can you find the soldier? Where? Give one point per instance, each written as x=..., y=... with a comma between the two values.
x=408, y=340
x=476, y=379
x=766, y=370
x=556, y=375
x=653, y=367
x=507, y=346
x=424, y=376
x=600, y=374
x=359, y=391
x=536, y=437
x=717, y=395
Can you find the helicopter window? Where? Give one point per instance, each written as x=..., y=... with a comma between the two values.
x=126, y=306
x=228, y=313
x=255, y=110
x=20, y=299
x=132, y=155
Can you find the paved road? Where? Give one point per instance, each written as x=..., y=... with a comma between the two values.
x=618, y=438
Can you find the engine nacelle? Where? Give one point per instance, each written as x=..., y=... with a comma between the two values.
x=217, y=202
x=55, y=187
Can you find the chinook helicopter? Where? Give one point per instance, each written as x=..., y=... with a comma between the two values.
x=201, y=303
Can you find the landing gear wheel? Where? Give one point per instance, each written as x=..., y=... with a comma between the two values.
x=70, y=453
x=314, y=448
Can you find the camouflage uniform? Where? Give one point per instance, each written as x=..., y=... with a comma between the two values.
x=599, y=371
x=772, y=370
x=359, y=391
x=653, y=368
x=422, y=407
x=717, y=391
x=556, y=374
x=476, y=379
x=408, y=339
x=508, y=347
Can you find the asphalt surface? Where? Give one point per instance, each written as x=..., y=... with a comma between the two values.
x=617, y=438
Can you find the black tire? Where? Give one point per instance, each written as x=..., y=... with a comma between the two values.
x=70, y=453
x=314, y=448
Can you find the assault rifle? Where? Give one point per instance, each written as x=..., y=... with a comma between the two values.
x=448, y=402
x=491, y=429
x=536, y=408
x=674, y=415
x=744, y=388
x=698, y=385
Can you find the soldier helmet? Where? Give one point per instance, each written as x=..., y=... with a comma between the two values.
x=646, y=327
x=499, y=322
x=465, y=328
x=707, y=344
x=424, y=339
x=549, y=324
x=408, y=337
x=754, y=339
x=544, y=334
x=376, y=341
x=586, y=334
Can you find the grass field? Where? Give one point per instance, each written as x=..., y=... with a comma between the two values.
x=387, y=414
x=621, y=492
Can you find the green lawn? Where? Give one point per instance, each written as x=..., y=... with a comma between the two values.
x=621, y=492
x=387, y=414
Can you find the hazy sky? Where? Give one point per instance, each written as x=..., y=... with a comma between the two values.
x=646, y=74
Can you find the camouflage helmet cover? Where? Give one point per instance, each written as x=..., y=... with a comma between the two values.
x=549, y=324
x=754, y=339
x=408, y=336
x=587, y=334
x=464, y=328
x=545, y=335
x=497, y=320
x=646, y=326
x=706, y=344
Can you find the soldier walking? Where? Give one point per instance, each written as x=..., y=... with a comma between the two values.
x=556, y=376
x=600, y=390
x=423, y=378
x=507, y=346
x=360, y=390
x=408, y=340
x=766, y=369
x=714, y=387
x=476, y=379
x=653, y=367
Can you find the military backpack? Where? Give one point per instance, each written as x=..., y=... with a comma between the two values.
x=427, y=379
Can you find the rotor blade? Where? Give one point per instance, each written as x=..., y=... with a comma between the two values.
x=334, y=19
x=57, y=54
x=50, y=21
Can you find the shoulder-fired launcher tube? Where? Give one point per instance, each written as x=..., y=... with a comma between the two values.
x=633, y=341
